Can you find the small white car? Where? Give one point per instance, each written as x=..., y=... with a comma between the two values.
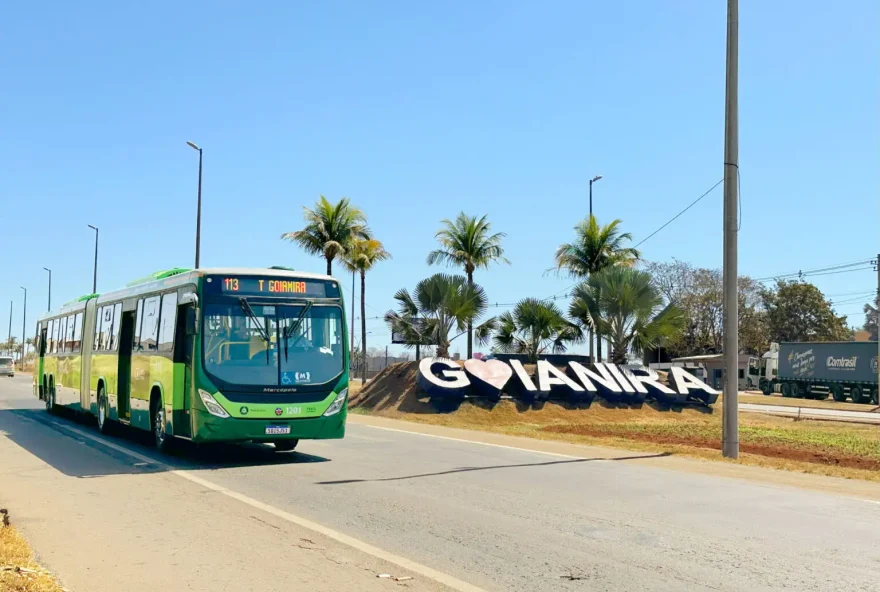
x=7, y=366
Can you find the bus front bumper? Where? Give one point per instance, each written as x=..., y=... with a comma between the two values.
x=209, y=428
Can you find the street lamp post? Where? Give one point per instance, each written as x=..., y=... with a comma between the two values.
x=23, y=325
x=194, y=146
x=95, y=272
x=49, y=306
x=9, y=331
x=593, y=180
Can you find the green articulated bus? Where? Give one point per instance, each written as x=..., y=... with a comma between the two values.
x=207, y=355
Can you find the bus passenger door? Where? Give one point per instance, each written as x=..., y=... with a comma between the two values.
x=184, y=338
x=123, y=390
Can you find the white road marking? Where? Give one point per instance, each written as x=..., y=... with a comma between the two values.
x=470, y=441
x=403, y=562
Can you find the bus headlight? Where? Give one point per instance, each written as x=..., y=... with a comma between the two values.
x=336, y=406
x=213, y=407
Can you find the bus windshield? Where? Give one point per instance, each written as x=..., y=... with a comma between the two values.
x=277, y=345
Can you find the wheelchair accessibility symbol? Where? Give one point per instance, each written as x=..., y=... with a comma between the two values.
x=286, y=378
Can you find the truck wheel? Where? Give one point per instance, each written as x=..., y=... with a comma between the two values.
x=874, y=397
x=856, y=394
x=785, y=389
x=765, y=388
x=837, y=393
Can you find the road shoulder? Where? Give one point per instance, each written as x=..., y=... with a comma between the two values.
x=105, y=523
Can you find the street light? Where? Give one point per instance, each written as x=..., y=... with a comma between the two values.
x=593, y=180
x=23, y=324
x=194, y=146
x=49, y=306
x=95, y=275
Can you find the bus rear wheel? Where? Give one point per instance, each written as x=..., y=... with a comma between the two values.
x=285, y=445
x=50, y=400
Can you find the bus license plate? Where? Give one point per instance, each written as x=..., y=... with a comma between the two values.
x=273, y=430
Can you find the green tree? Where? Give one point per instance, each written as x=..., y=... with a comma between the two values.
x=438, y=305
x=362, y=255
x=798, y=311
x=532, y=328
x=595, y=248
x=629, y=310
x=468, y=242
x=330, y=229
x=871, y=311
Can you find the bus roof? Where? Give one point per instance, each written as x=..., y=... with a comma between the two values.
x=178, y=277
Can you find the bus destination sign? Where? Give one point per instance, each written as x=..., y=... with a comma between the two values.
x=257, y=286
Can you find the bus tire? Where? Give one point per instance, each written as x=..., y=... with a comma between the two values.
x=103, y=412
x=285, y=445
x=855, y=394
x=157, y=420
x=50, y=399
x=837, y=393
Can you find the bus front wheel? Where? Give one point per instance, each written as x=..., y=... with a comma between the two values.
x=103, y=422
x=160, y=437
x=285, y=445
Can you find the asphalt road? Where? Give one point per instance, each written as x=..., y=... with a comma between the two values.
x=508, y=519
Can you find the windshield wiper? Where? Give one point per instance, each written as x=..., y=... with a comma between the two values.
x=246, y=307
x=292, y=328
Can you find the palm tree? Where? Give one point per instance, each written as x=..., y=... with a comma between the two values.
x=330, y=229
x=533, y=327
x=626, y=307
x=594, y=249
x=438, y=305
x=468, y=242
x=363, y=254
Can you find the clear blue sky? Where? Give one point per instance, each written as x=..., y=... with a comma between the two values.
x=417, y=111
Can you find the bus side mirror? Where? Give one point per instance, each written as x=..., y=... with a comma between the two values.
x=192, y=321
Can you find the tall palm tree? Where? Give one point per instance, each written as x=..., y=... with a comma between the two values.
x=595, y=248
x=533, y=327
x=468, y=242
x=329, y=230
x=362, y=255
x=628, y=309
x=438, y=305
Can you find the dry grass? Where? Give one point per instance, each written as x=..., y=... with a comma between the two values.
x=16, y=553
x=829, y=448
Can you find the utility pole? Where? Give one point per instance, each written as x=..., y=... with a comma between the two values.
x=876, y=401
x=730, y=417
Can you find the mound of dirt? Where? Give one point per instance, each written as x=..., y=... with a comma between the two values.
x=394, y=388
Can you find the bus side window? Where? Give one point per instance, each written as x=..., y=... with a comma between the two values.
x=62, y=330
x=49, y=340
x=150, y=330
x=167, y=322
x=99, y=314
x=136, y=346
x=69, y=344
x=117, y=322
x=77, y=332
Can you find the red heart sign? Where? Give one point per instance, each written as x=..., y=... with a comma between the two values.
x=492, y=375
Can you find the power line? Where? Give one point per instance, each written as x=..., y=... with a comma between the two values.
x=818, y=271
x=674, y=218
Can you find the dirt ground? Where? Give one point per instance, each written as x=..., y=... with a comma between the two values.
x=18, y=570
x=831, y=448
